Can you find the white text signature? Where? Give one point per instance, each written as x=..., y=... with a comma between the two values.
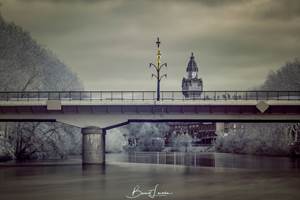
x=152, y=193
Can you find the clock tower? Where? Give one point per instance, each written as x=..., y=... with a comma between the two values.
x=192, y=86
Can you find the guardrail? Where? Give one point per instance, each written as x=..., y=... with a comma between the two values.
x=148, y=95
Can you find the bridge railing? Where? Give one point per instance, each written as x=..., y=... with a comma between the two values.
x=149, y=95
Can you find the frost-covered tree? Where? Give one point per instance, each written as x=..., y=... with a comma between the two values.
x=267, y=139
x=286, y=78
x=145, y=136
x=40, y=140
x=115, y=140
x=25, y=66
x=182, y=142
x=258, y=139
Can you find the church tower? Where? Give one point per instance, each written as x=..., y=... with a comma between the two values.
x=192, y=86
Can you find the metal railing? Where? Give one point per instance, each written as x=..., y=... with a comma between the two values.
x=149, y=95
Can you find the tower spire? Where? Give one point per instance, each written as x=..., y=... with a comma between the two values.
x=192, y=85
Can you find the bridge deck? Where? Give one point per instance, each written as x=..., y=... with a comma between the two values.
x=83, y=108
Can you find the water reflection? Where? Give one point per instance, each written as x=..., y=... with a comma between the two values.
x=218, y=160
x=93, y=169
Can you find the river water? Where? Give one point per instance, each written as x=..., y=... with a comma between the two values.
x=183, y=176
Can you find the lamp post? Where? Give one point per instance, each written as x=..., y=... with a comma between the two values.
x=157, y=68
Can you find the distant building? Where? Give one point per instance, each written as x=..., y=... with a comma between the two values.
x=230, y=128
x=192, y=86
x=202, y=133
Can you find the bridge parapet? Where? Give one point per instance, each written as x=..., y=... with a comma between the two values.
x=149, y=95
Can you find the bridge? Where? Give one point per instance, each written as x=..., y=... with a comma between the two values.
x=98, y=111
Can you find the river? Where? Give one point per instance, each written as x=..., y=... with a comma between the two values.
x=185, y=176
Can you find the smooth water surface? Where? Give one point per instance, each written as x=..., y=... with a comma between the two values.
x=279, y=179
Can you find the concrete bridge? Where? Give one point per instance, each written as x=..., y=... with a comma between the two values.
x=97, y=111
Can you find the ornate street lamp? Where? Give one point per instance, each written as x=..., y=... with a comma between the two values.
x=158, y=67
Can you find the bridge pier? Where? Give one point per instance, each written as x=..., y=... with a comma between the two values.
x=93, y=145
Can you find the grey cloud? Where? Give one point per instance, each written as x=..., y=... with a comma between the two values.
x=269, y=9
x=214, y=3
x=108, y=43
x=280, y=9
x=63, y=1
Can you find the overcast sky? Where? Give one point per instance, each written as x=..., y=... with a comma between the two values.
x=110, y=43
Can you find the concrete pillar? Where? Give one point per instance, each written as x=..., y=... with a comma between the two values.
x=93, y=145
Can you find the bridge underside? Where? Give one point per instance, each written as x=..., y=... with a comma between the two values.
x=109, y=116
x=153, y=109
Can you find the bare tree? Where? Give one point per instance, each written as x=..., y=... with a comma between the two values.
x=145, y=136
x=259, y=139
x=286, y=78
x=269, y=139
x=27, y=66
